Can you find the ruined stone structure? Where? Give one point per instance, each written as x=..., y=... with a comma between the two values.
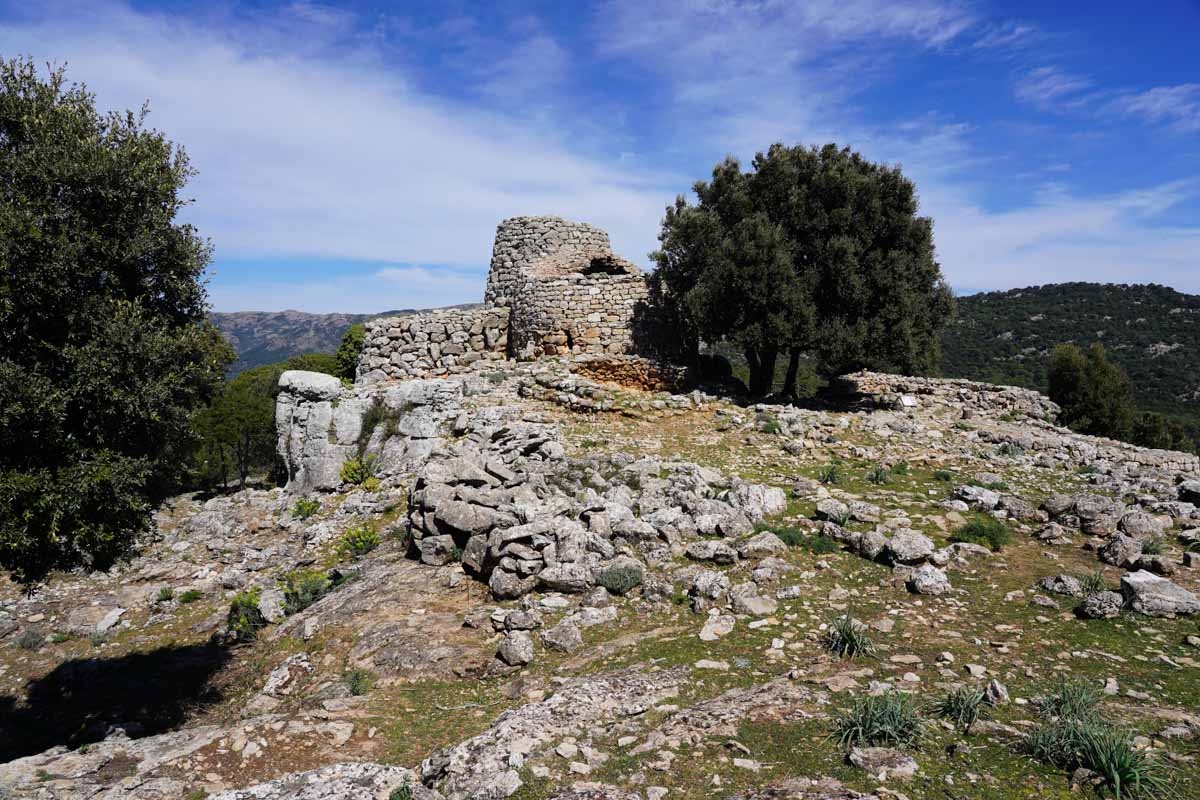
x=554, y=288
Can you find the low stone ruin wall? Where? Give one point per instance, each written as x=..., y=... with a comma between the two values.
x=984, y=398
x=428, y=345
x=576, y=313
x=522, y=242
x=631, y=371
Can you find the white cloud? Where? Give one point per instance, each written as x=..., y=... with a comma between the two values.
x=1177, y=106
x=1053, y=89
x=1006, y=36
x=324, y=150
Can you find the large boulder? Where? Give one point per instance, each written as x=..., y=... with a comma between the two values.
x=1121, y=550
x=928, y=579
x=1189, y=492
x=909, y=547
x=1154, y=596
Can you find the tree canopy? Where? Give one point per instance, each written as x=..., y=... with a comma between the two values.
x=104, y=346
x=815, y=251
x=1094, y=393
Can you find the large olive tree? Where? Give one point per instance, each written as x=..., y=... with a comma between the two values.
x=815, y=251
x=104, y=345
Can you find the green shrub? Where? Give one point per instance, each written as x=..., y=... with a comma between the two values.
x=302, y=588
x=371, y=484
x=190, y=596
x=943, y=476
x=886, y=719
x=58, y=637
x=1011, y=450
x=1072, y=700
x=358, y=469
x=401, y=793
x=963, y=706
x=819, y=544
x=984, y=530
x=96, y=638
x=359, y=681
x=767, y=423
x=358, y=540
x=306, y=507
x=165, y=595
x=900, y=468
x=1097, y=746
x=245, y=620
x=31, y=640
x=620, y=578
x=830, y=474
x=1093, y=583
x=349, y=350
x=848, y=638
x=1153, y=546
x=879, y=474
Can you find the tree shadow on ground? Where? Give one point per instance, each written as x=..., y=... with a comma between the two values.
x=82, y=699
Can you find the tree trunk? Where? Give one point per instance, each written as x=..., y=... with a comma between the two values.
x=789, y=382
x=762, y=370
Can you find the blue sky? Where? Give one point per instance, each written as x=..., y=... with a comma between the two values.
x=357, y=156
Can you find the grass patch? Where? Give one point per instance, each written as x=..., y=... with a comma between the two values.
x=848, y=638
x=885, y=719
x=987, y=531
x=963, y=706
x=1072, y=700
x=190, y=596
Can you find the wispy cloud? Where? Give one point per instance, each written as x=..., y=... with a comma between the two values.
x=1176, y=106
x=1006, y=35
x=1053, y=89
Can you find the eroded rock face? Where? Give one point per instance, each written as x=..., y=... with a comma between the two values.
x=319, y=425
x=336, y=782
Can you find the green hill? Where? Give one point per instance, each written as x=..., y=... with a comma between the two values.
x=1152, y=331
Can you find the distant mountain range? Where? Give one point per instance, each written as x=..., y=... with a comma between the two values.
x=266, y=337
x=1152, y=331
x=1002, y=337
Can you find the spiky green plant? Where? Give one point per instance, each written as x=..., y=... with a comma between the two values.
x=305, y=507
x=879, y=475
x=1153, y=546
x=358, y=540
x=830, y=475
x=886, y=719
x=848, y=638
x=1071, y=700
x=1093, y=583
x=963, y=706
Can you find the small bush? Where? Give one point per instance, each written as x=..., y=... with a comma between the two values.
x=848, y=638
x=371, y=484
x=359, y=681
x=190, y=596
x=620, y=578
x=879, y=475
x=306, y=507
x=31, y=640
x=1093, y=583
x=943, y=476
x=303, y=588
x=401, y=793
x=357, y=470
x=57, y=637
x=820, y=544
x=165, y=595
x=358, y=540
x=963, y=706
x=96, y=638
x=987, y=531
x=900, y=468
x=1153, y=546
x=767, y=423
x=245, y=620
x=830, y=474
x=886, y=719
x=1072, y=700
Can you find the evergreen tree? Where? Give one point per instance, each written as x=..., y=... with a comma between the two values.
x=104, y=345
x=1094, y=393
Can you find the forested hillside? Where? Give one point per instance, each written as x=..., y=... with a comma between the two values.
x=1152, y=331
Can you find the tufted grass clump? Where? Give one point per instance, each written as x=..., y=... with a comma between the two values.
x=900, y=468
x=1072, y=700
x=830, y=475
x=306, y=507
x=987, y=531
x=358, y=540
x=357, y=470
x=886, y=719
x=1093, y=583
x=245, y=620
x=1153, y=546
x=31, y=639
x=963, y=706
x=190, y=596
x=359, y=681
x=943, y=476
x=401, y=793
x=620, y=579
x=848, y=638
x=879, y=475
x=165, y=595
x=1107, y=751
x=1011, y=450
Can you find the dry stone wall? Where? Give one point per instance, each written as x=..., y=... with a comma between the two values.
x=438, y=343
x=522, y=243
x=575, y=313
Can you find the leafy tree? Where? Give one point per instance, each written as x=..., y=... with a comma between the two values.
x=237, y=429
x=104, y=345
x=1094, y=393
x=815, y=251
x=349, y=350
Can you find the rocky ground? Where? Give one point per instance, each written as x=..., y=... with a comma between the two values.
x=592, y=592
